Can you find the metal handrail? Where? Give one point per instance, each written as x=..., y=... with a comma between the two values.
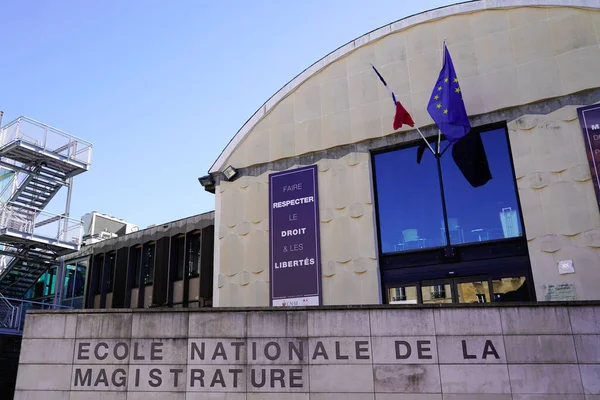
x=42, y=125
x=50, y=305
x=10, y=317
x=10, y=187
x=34, y=221
x=15, y=130
x=17, y=312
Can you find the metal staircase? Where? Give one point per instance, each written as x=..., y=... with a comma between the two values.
x=38, y=161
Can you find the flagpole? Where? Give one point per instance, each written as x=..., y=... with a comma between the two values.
x=426, y=141
x=394, y=100
x=449, y=250
x=439, y=146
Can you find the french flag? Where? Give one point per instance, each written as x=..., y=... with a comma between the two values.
x=402, y=116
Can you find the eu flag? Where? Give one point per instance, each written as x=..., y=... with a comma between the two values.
x=446, y=105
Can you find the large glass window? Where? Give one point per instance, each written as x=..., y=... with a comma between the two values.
x=195, y=253
x=44, y=286
x=148, y=263
x=74, y=283
x=409, y=199
x=109, y=272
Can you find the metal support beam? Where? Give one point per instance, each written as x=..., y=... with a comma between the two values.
x=58, y=283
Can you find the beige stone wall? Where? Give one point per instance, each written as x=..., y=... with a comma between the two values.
x=561, y=216
x=348, y=249
x=503, y=58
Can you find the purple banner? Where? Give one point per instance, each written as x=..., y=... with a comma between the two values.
x=589, y=119
x=294, y=241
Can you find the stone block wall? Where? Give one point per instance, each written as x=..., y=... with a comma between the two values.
x=348, y=236
x=363, y=353
x=504, y=57
x=560, y=209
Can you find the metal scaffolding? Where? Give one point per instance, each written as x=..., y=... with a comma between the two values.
x=37, y=161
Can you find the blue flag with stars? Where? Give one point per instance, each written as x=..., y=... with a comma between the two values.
x=446, y=105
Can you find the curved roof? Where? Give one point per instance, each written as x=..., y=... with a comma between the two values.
x=400, y=25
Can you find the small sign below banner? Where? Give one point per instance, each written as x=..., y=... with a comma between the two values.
x=294, y=240
x=589, y=119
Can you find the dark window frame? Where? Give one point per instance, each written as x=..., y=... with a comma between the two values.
x=109, y=280
x=178, y=256
x=432, y=264
x=135, y=263
x=147, y=270
x=98, y=262
x=415, y=144
x=194, y=258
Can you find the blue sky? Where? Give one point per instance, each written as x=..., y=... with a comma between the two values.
x=160, y=87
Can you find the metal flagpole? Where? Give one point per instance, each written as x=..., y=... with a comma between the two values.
x=439, y=149
x=426, y=141
x=449, y=250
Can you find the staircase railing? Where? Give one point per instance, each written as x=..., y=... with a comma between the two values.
x=9, y=314
x=40, y=223
x=14, y=310
x=11, y=186
x=47, y=138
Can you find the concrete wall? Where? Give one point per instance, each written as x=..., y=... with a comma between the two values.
x=559, y=204
x=348, y=250
x=483, y=353
x=505, y=58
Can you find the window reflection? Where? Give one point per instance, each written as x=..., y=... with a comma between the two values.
x=435, y=294
x=473, y=292
x=403, y=295
x=148, y=263
x=409, y=201
x=194, y=255
x=511, y=289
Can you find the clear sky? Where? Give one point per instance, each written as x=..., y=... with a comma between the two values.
x=160, y=87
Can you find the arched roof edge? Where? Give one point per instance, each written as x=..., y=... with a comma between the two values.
x=376, y=34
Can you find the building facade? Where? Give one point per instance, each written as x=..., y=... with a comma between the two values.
x=165, y=265
x=531, y=233
x=168, y=265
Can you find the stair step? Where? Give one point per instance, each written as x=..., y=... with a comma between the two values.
x=28, y=196
x=28, y=200
x=53, y=173
x=43, y=183
x=35, y=190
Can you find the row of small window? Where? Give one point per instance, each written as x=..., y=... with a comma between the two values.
x=462, y=291
x=142, y=260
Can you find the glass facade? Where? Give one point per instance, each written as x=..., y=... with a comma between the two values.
x=475, y=290
x=73, y=284
x=148, y=263
x=109, y=272
x=410, y=205
x=487, y=260
x=44, y=287
x=195, y=251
